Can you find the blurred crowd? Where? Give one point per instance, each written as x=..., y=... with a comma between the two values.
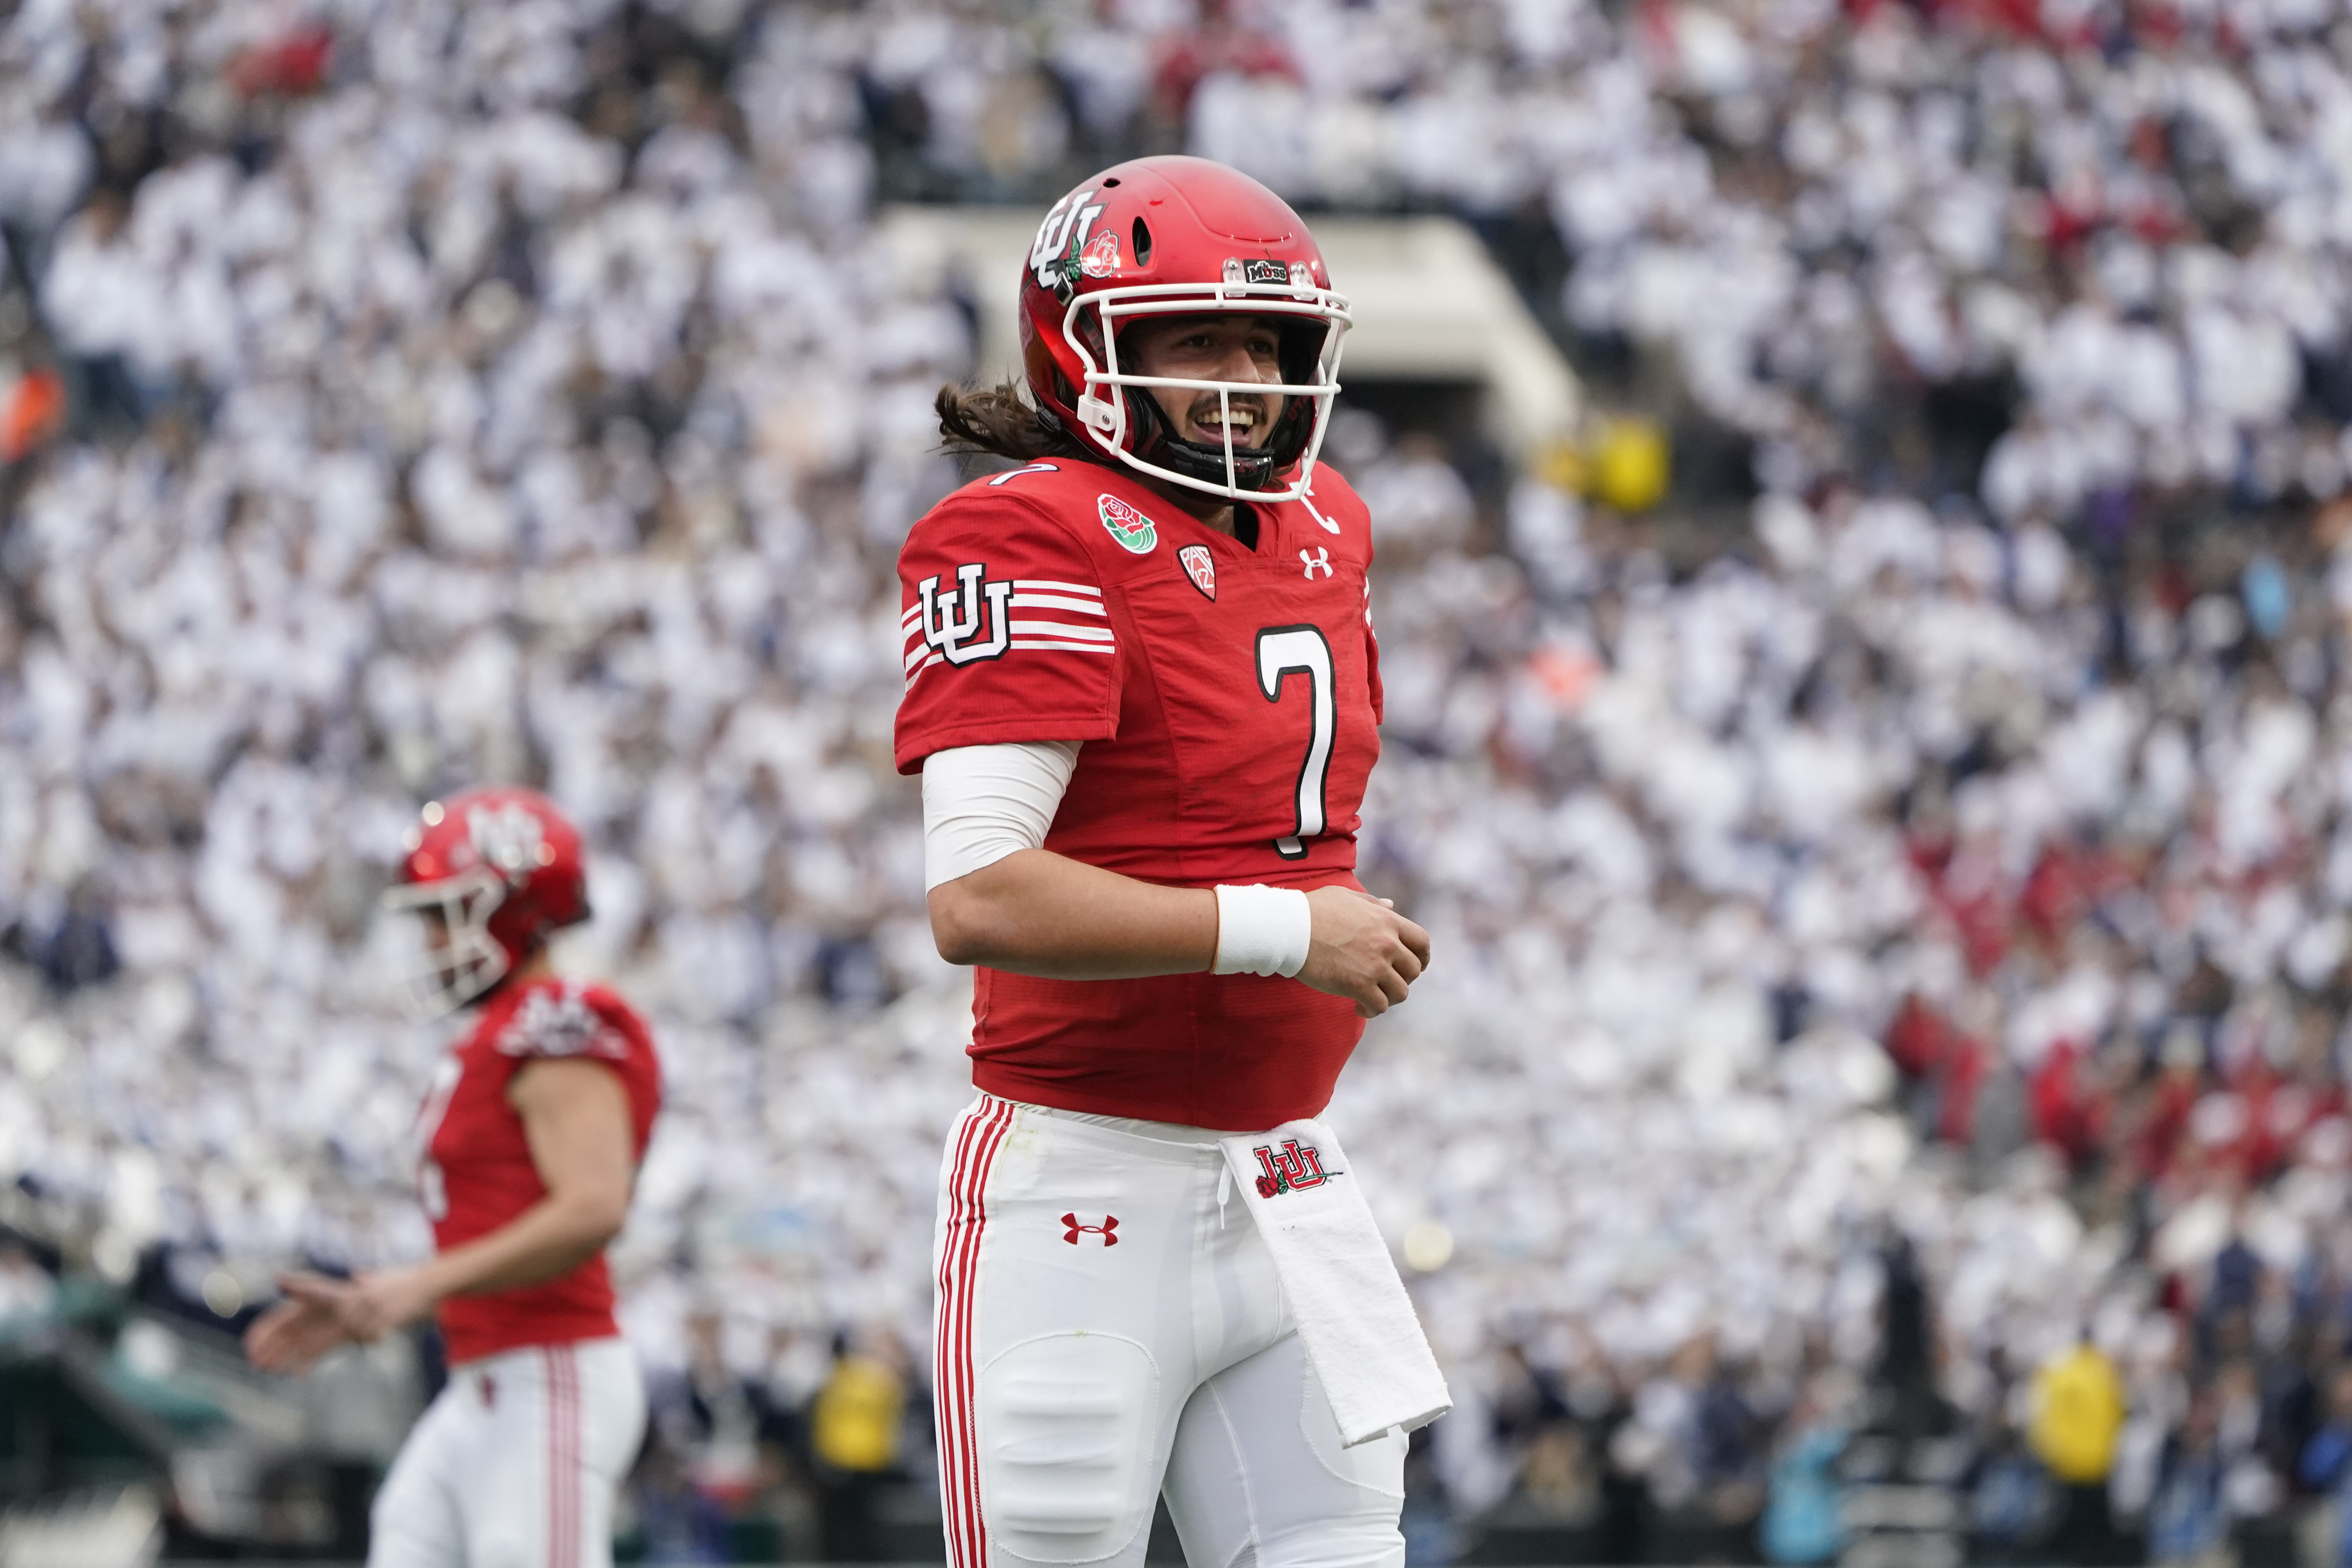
x=1891, y=950
x=2106, y=237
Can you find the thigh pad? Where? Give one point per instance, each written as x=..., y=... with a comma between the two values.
x=1068, y=1429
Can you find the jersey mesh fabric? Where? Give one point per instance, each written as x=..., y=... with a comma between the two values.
x=1065, y=602
x=478, y=1173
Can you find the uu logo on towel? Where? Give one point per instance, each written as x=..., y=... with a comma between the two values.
x=1289, y=1169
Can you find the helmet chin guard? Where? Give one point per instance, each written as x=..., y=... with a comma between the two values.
x=1118, y=413
x=469, y=960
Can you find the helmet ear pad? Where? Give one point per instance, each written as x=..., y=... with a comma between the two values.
x=1302, y=347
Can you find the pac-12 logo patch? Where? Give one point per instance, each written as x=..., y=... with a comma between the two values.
x=1201, y=566
x=1132, y=530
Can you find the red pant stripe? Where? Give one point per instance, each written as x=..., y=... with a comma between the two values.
x=967, y=1373
x=942, y=1355
x=977, y=1143
x=943, y=1394
x=955, y=1424
x=562, y=1457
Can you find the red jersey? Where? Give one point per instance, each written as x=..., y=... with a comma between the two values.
x=1229, y=700
x=477, y=1172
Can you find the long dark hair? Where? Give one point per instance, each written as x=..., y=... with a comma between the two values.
x=1002, y=422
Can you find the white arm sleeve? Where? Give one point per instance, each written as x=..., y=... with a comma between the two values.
x=983, y=802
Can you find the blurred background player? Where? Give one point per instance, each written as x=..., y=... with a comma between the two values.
x=529, y=1147
x=1143, y=693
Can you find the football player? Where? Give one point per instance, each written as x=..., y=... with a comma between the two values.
x=1143, y=692
x=528, y=1146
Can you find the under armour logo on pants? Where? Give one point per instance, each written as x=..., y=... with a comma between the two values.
x=1108, y=1230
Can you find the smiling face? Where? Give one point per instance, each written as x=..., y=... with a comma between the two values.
x=1243, y=349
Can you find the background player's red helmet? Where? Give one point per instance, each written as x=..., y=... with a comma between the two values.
x=501, y=868
x=1176, y=235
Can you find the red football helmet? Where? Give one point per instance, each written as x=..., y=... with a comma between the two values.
x=1172, y=235
x=500, y=869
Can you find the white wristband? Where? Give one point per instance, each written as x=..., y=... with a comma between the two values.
x=1262, y=930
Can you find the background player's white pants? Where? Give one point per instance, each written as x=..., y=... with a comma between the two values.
x=1106, y=1326
x=514, y=1464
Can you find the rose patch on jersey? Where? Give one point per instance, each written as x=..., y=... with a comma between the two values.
x=1201, y=567
x=1133, y=530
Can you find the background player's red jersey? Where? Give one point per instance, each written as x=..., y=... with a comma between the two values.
x=476, y=1173
x=1229, y=700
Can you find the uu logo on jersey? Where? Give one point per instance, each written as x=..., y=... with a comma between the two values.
x=560, y=1023
x=952, y=624
x=1290, y=1168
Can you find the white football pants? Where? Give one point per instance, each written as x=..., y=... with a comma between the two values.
x=1109, y=1324
x=515, y=1463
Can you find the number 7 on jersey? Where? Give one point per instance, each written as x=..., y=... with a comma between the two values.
x=1301, y=650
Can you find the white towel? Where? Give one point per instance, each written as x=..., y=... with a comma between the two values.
x=1357, y=1324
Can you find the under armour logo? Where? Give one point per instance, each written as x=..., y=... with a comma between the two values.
x=1320, y=561
x=1108, y=1230
x=953, y=625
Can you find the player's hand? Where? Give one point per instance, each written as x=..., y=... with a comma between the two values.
x=300, y=1328
x=374, y=1303
x=320, y=1312
x=1362, y=949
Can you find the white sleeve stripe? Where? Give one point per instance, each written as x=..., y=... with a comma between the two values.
x=1056, y=602
x=1047, y=586
x=913, y=610
x=923, y=660
x=913, y=640
x=1063, y=629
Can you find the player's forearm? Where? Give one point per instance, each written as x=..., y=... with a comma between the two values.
x=546, y=1241
x=1035, y=912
